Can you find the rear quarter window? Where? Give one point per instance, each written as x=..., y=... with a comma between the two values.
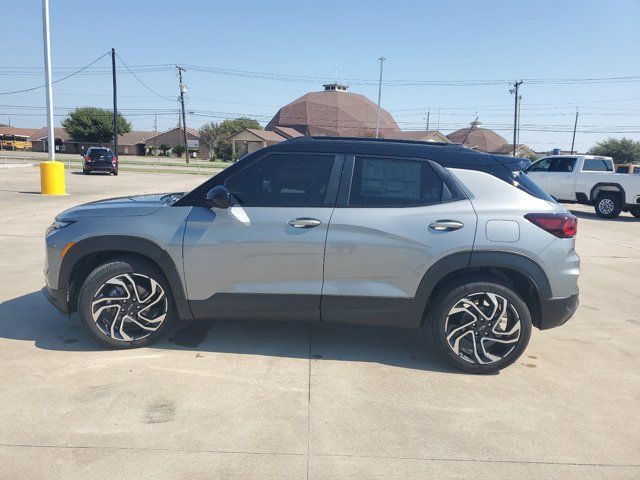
x=597, y=165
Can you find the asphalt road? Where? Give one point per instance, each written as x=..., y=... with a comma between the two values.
x=281, y=400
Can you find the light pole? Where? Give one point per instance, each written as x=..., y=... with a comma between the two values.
x=51, y=172
x=51, y=142
x=382, y=59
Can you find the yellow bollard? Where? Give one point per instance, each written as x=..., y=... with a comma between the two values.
x=52, y=178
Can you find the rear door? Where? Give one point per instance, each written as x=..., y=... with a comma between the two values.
x=395, y=217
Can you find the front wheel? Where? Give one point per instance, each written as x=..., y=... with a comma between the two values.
x=126, y=303
x=481, y=326
x=608, y=205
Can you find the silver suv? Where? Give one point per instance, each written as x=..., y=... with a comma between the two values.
x=376, y=232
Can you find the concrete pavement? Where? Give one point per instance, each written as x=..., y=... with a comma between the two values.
x=285, y=400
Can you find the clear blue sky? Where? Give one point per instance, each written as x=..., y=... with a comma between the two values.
x=422, y=40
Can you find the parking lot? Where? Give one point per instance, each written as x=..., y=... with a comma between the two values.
x=283, y=400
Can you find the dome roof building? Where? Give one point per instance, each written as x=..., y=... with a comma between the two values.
x=334, y=112
x=478, y=138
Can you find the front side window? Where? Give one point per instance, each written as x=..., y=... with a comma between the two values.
x=283, y=180
x=562, y=164
x=540, y=166
x=393, y=182
x=596, y=165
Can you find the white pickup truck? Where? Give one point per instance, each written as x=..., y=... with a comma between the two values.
x=589, y=180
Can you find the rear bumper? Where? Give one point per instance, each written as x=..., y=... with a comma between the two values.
x=556, y=311
x=57, y=298
x=100, y=168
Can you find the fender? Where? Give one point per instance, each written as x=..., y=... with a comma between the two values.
x=128, y=244
x=608, y=184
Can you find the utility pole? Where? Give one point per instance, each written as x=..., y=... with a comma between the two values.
x=519, y=117
x=514, y=90
x=183, y=89
x=575, y=126
x=382, y=59
x=115, y=103
x=51, y=142
x=428, y=115
x=155, y=123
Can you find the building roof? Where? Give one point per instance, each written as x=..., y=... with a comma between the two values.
x=264, y=135
x=478, y=138
x=42, y=133
x=420, y=135
x=287, y=132
x=335, y=113
x=135, y=137
x=21, y=132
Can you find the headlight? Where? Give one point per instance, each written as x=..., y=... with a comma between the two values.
x=56, y=225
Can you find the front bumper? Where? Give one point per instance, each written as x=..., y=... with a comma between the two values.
x=58, y=298
x=556, y=311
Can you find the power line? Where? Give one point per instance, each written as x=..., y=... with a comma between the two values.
x=57, y=81
x=141, y=82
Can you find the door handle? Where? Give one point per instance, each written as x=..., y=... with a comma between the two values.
x=304, y=222
x=445, y=225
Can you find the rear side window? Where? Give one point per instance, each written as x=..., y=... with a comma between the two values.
x=395, y=182
x=283, y=180
x=596, y=165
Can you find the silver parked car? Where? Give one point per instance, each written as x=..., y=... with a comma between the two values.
x=376, y=232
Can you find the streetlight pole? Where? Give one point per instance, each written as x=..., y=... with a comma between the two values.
x=183, y=89
x=51, y=141
x=382, y=59
x=115, y=102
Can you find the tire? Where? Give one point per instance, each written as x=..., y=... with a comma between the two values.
x=117, y=316
x=608, y=205
x=635, y=213
x=513, y=329
x=85, y=171
x=115, y=173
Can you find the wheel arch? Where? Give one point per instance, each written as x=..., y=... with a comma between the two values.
x=607, y=187
x=87, y=254
x=519, y=271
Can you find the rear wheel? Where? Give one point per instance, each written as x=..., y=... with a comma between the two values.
x=115, y=172
x=608, y=205
x=126, y=303
x=85, y=171
x=481, y=326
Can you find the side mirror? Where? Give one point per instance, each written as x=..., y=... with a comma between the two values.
x=218, y=197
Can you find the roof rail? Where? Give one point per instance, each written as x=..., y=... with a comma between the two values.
x=368, y=139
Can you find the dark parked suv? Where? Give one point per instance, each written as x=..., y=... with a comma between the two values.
x=361, y=231
x=99, y=159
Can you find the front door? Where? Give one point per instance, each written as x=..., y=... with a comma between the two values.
x=539, y=172
x=561, y=178
x=263, y=257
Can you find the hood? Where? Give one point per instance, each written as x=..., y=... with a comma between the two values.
x=120, y=207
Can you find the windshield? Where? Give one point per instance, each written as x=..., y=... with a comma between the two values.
x=100, y=154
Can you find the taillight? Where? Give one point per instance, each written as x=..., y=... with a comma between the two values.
x=562, y=225
x=87, y=159
x=114, y=161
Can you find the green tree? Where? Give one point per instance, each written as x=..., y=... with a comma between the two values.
x=178, y=150
x=3, y=125
x=214, y=135
x=92, y=124
x=163, y=148
x=623, y=150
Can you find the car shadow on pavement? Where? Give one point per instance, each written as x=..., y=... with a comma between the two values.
x=593, y=216
x=31, y=318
